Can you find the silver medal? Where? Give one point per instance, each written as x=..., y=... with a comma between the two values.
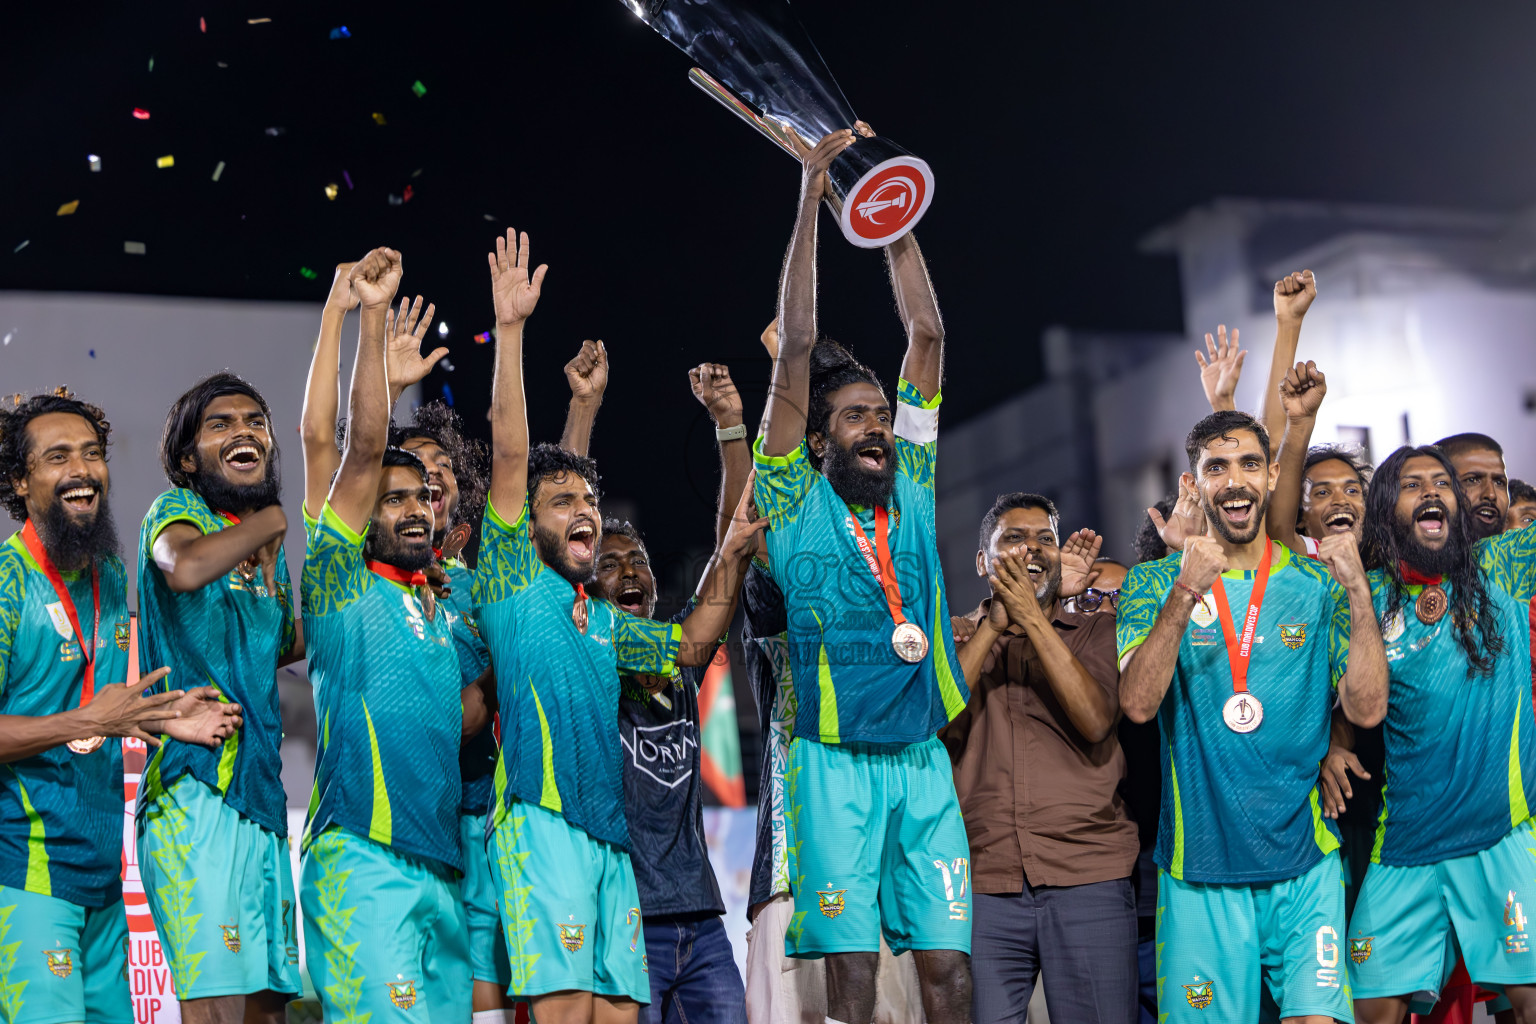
x=909, y=642
x=1242, y=712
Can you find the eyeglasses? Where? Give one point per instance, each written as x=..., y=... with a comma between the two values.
x=1092, y=599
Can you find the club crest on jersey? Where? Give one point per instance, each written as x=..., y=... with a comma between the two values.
x=60, y=961
x=573, y=936
x=1200, y=994
x=831, y=901
x=1203, y=615
x=120, y=635
x=231, y=937
x=1293, y=636
x=1360, y=949
x=402, y=993
x=60, y=619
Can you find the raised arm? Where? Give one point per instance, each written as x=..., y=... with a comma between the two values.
x=1221, y=367
x=317, y=423
x=190, y=559
x=1301, y=394
x=713, y=387
x=515, y=295
x=404, y=331
x=356, y=486
x=1363, y=687
x=789, y=393
x=1293, y=297
x=923, y=364
x=1146, y=671
x=720, y=588
x=587, y=374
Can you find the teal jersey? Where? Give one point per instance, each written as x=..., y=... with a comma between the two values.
x=1459, y=746
x=558, y=687
x=849, y=684
x=61, y=813
x=477, y=759
x=229, y=634
x=387, y=704
x=1243, y=807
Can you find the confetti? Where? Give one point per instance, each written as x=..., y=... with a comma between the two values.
x=221, y=64
x=447, y=366
x=218, y=170
x=134, y=248
x=141, y=113
x=307, y=274
x=94, y=161
x=151, y=63
x=9, y=335
x=340, y=32
x=417, y=172
x=408, y=193
x=67, y=209
x=257, y=21
x=489, y=217
x=276, y=131
x=448, y=394
x=442, y=328
x=202, y=24
x=93, y=353
x=331, y=191
x=24, y=243
x=378, y=118
x=347, y=178
x=165, y=161
x=483, y=339
x=395, y=200
x=418, y=88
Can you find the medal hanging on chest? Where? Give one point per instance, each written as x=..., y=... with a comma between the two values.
x=579, y=608
x=907, y=638
x=1432, y=601
x=416, y=581
x=1242, y=712
x=88, y=744
x=249, y=568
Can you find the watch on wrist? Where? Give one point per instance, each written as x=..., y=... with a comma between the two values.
x=736, y=433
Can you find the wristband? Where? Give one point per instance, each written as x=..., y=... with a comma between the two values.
x=1195, y=593
x=736, y=433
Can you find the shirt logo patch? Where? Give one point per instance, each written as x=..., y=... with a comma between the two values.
x=831, y=901
x=1200, y=995
x=60, y=961
x=1360, y=949
x=120, y=634
x=664, y=752
x=1203, y=615
x=231, y=937
x=1204, y=637
x=402, y=993
x=573, y=936
x=1293, y=636
x=60, y=619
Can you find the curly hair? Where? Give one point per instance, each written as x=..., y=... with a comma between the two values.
x=438, y=422
x=832, y=367
x=613, y=527
x=1148, y=545
x=550, y=460
x=1351, y=455
x=1222, y=425
x=16, y=446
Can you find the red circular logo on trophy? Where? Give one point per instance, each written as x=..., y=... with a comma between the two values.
x=887, y=201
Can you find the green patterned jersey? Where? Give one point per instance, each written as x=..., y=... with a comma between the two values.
x=61, y=813
x=477, y=759
x=229, y=634
x=849, y=684
x=558, y=687
x=1459, y=746
x=1242, y=808
x=387, y=704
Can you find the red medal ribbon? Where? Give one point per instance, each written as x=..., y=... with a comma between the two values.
x=1239, y=649
x=884, y=569
x=398, y=575
x=1414, y=578
x=437, y=553
x=87, y=650
x=233, y=519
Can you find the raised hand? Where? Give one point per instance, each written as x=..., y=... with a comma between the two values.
x=1302, y=391
x=587, y=373
x=1294, y=294
x=116, y=710
x=1203, y=561
x=376, y=277
x=403, y=334
x=1340, y=552
x=740, y=540
x=1334, y=778
x=1011, y=586
x=1220, y=367
x=514, y=292
x=961, y=628
x=813, y=183
x=342, y=296
x=713, y=387
x=1186, y=520
x=1078, y=552
x=201, y=718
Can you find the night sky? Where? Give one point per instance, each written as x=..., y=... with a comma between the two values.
x=1059, y=135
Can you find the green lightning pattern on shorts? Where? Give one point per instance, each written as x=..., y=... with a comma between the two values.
x=10, y=991
x=334, y=921
x=167, y=822
x=509, y=859
x=792, y=793
x=1158, y=970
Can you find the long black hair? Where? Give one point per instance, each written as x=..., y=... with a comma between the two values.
x=184, y=420
x=832, y=367
x=1473, y=613
x=16, y=448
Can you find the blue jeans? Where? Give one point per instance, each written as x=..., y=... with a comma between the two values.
x=694, y=979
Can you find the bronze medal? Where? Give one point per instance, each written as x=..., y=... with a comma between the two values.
x=89, y=745
x=579, y=610
x=1431, y=605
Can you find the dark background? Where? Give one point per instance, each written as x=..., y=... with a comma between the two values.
x=1059, y=134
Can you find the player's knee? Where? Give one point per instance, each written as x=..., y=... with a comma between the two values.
x=945, y=975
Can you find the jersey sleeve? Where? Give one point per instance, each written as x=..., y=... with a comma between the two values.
x=1509, y=559
x=1338, y=630
x=179, y=506
x=285, y=595
x=1142, y=596
x=13, y=575
x=644, y=645
x=335, y=572
x=781, y=483
x=917, y=433
x=508, y=562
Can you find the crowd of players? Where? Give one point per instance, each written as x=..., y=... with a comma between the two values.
x=507, y=800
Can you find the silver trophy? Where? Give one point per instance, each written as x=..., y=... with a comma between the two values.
x=755, y=57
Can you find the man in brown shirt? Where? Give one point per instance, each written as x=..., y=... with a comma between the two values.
x=1036, y=768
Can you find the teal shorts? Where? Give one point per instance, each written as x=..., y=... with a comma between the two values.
x=220, y=888
x=62, y=962
x=876, y=842
x=487, y=949
x=1410, y=920
x=1253, y=952
x=384, y=933
x=569, y=908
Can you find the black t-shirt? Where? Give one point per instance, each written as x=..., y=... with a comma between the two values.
x=765, y=652
x=664, y=795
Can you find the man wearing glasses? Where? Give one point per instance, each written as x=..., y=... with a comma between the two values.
x=1104, y=595
x=1036, y=765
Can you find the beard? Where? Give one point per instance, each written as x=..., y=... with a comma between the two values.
x=1046, y=592
x=391, y=550
x=1212, y=510
x=1443, y=561
x=1480, y=529
x=71, y=543
x=552, y=552
x=853, y=482
x=224, y=496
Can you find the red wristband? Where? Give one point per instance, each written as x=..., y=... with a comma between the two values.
x=1195, y=593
